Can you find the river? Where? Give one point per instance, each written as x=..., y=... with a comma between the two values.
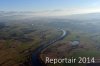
x=36, y=60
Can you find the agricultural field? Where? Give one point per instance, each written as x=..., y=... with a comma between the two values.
x=89, y=46
x=19, y=39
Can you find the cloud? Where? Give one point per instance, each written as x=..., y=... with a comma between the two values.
x=63, y=12
x=57, y=12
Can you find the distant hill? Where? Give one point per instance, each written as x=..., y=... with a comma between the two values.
x=13, y=15
x=88, y=16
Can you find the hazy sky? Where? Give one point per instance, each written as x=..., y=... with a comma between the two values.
x=56, y=7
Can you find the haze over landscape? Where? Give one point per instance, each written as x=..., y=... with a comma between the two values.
x=51, y=7
x=31, y=30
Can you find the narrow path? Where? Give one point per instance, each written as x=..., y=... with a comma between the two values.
x=36, y=61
